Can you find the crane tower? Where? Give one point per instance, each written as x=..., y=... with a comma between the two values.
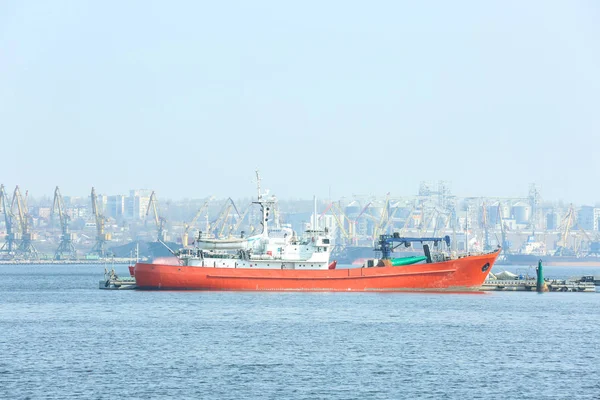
x=160, y=221
x=10, y=243
x=65, y=249
x=26, y=248
x=101, y=237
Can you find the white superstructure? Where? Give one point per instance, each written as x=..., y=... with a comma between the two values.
x=274, y=248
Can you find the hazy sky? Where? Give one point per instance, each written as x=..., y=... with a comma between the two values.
x=188, y=98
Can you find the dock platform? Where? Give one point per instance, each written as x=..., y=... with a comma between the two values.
x=529, y=285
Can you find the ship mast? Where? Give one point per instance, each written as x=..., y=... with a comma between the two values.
x=258, y=185
x=265, y=206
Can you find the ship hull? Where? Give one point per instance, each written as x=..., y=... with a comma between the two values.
x=467, y=273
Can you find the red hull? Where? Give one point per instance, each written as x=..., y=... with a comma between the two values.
x=466, y=273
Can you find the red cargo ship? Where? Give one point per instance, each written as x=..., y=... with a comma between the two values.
x=278, y=260
x=465, y=273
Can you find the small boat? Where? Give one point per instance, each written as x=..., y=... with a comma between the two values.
x=112, y=281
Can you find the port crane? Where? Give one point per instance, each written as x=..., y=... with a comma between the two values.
x=563, y=249
x=10, y=243
x=160, y=221
x=218, y=225
x=442, y=226
x=237, y=225
x=383, y=218
x=485, y=225
x=187, y=226
x=65, y=249
x=101, y=237
x=354, y=226
x=505, y=242
x=26, y=248
x=427, y=219
x=340, y=222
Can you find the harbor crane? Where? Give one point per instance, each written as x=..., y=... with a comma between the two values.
x=241, y=219
x=65, y=249
x=10, y=243
x=339, y=217
x=505, y=242
x=378, y=229
x=218, y=225
x=101, y=237
x=26, y=248
x=158, y=220
x=567, y=223
x=485, y=225
x=187, y=226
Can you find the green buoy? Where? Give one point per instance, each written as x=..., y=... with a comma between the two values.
x=540, y=284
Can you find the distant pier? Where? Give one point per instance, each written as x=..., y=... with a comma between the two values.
x=529, y=285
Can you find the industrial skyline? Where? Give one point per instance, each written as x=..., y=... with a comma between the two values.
x=102, y=224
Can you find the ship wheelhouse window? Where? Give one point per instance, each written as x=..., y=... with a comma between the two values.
x=325, y=241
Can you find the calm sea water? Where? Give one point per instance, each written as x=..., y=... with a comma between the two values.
x=62, y=338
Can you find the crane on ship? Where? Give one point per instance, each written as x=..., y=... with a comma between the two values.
x=26, y=249
x=188, y=225
x=101, y=237
x=158, y=220
x=10, y=243
x=386, y=244
x=65, y=249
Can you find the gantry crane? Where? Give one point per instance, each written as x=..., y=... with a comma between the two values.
x=101, y=237
x=158, y=220
x=65, y=249
x=10, y=243
x=26, y=248
x=187, y=226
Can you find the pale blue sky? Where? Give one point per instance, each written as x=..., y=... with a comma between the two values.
x=188, y=98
